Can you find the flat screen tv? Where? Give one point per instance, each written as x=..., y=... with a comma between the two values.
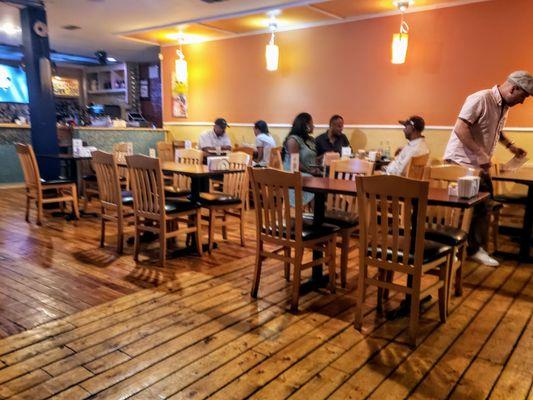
x=13, y=87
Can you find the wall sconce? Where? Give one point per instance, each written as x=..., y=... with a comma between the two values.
x=400, y=41
x=272, y=50
x=181, y=64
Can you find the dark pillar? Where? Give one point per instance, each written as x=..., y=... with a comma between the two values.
x=39, y=76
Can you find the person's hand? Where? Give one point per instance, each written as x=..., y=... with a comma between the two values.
x=517, y=151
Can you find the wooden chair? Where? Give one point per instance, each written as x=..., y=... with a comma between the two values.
x=115, y=204
x=449, y=225
x=57, y=191
x=153, y=213
x=327, y=159
x=181, y=185
x=120, y=151
x=275, y=225
x=342, y=210
x=244, y=149
x=89, y=185
x=415, y=168
x=387, y=247
x=230, y=201
x=275, y=161
x=165, y=151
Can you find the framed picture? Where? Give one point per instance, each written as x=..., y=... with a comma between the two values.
x=179, y=98
x=144, y=89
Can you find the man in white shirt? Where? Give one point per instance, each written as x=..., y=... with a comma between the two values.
x=413, y=128
x=215, y=138
x=472, y=142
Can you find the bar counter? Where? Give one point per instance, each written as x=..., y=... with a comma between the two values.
x=102, y=138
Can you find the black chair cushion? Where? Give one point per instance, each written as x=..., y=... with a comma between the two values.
x=127, y=198
x=171, y=191
x=56, y=181
x=310, y=231
x=432, y=251
x=343, y=221
x=511, y=198
x=448, y=235
x=179, y=205
x=217, y=199
x=89, y=178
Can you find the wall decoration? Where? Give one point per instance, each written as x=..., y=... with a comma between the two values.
x=144, y=89
x=66, y=87
x=179, y=98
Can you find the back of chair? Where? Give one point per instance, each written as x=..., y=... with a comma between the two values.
x=272, y=204
x=330, y=157
x=30, y=168
x=121, y=150
x=402, y=233
x=415, y=168
x=440, y=176
x=189, y=156
x=275, y=158
x=236, y=184
x=244, y=149
x=107, y=176
x=165, y=151
x=347, y=170
x=147, y=184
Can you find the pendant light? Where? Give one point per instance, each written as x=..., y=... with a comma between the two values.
x=181, y=64
x=272, y=50
x=400, y=41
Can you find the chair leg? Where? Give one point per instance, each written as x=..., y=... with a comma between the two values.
x=297, y=273
x=102, y=230
x=415, y=312
x=382, y=277
x=28, y=201
x=459, y=272
x=495, y=226
x=212, y=219
x=137, y=242
x=163, y=244
x=242, y=227
x=257, y=270
x=198, y=217
x=75, y=202
x=224, y=228
x=120, y=235
x=345, y=249
x=39, y=211
x=389, y=277
x=444, y=276
x=332, y=247
x=360, y=298
x=287, y=264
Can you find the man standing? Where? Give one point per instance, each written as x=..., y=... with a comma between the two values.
x=216, y=137
x=333, y=140
x=472, y=142
x=413, y=128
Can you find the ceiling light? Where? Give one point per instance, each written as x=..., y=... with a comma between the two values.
x=403, y=5
x=111, y=59
x=400, y=41
x=181, y=64
x=272, y=50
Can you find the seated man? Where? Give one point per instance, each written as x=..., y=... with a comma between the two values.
x=413, y=128
x=333, y=140
x=216, y=137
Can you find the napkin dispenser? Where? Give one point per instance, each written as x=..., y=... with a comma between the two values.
x=468, y=186
x=217, y=163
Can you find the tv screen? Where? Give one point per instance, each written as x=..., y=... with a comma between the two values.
x=13, y=87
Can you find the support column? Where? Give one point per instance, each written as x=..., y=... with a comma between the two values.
x=41, y=96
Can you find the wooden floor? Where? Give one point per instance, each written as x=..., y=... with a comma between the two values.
x=80, y=322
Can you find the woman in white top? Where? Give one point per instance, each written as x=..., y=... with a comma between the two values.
x=264, y=142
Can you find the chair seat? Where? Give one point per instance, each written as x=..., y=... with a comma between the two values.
x=310, y=231
x=171, y=191
x=432, y=251
x=340, y=219
x=447, y=235
x=511, y=198
x=56, y=181
x=89, y=178
x=179, y=205
x=218, y=199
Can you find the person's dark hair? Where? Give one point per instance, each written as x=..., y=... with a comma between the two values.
x=299, y=128
x=334, y=118
x=262, y=126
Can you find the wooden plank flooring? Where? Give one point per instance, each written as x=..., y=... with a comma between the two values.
x=79, y=322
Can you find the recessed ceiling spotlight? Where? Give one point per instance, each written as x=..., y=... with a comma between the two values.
x=403, y=5
x=111, y=59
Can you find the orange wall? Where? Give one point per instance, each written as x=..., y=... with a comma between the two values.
x=346, y=69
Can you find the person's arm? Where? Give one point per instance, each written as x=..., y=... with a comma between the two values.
x=226, y=145
x=464, y=132
x=258, y=155
x=398, y=165
x=517, y=151
x=203, y=143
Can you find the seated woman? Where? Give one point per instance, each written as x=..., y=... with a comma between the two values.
x=299, y=141
x=263, y=142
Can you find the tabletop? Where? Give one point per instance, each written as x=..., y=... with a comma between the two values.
x=436, y=196
x=193, y=170
x=522, y=175
x=64, y=156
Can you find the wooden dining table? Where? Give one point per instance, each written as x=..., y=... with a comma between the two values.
x=522, y=176
x=321, y=187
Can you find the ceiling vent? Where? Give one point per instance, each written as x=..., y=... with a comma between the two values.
x=71, y=27
x=212, y=1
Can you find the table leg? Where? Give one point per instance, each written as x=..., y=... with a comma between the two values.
x=525, y=239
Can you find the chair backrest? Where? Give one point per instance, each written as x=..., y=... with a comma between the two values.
x=329, y=157
x=121, y=150
x=402, y=233
x=189, y=156
x=236, y=184
x=147, y=184
x=275, y=160
x=107, y=176
x=244, y=149
x=415, y=168
x=30, y=168
x=273, y=207
x=165, y=151
x=347, y=170
x=440, y=176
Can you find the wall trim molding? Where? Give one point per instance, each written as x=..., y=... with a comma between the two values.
x=348, y=126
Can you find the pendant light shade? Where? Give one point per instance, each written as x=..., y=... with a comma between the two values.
x=272, y=55
x=400, y=42
x=181, y=68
